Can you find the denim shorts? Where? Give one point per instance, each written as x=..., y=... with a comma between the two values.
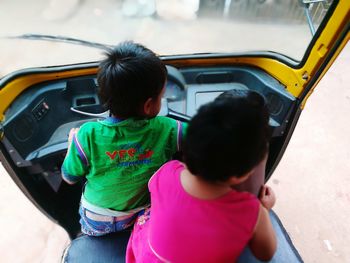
x=99, y=228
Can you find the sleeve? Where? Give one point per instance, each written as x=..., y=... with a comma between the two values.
x=76, y=163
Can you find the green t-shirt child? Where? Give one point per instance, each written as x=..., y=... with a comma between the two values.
x=119, y=157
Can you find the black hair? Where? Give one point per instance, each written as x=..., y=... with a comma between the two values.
x=228, y=137
x=127, y=77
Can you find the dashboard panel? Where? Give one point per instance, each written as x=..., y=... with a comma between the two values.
x=38, y=121
x=205, y=84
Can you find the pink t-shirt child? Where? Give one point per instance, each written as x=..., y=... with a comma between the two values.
x=183, y=228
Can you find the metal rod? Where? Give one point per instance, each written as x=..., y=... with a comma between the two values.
x=102, y=114
x=309, y=19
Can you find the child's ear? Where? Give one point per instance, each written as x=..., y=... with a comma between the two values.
x=148, y=107
x=233, y=180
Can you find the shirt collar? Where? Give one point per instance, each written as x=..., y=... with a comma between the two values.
x=112, y=120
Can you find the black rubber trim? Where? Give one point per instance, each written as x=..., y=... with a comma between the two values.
x=259, y=54
x=287, y=136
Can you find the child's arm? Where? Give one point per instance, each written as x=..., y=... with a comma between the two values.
x=72, y=133
x=263, y=243
x=72, y=168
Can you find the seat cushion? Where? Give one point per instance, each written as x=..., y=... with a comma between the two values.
x=104, y=249
x=112, y=247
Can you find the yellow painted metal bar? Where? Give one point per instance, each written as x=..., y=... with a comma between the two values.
x=343, y=44
x=324, y=44
x=283, y=73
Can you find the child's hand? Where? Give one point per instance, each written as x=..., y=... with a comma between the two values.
x=70, y=136
x=267, y=197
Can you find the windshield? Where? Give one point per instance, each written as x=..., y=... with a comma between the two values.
x=168, y=27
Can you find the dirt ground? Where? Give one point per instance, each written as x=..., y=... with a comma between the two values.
x=312, y=181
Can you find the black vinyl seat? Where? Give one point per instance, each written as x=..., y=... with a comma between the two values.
x=104, y=249
x=112, y=247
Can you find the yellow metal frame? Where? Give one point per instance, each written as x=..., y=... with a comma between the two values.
x=13, y=88
x=295, y=79
x=339, y=49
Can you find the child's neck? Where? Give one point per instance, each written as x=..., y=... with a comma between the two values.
x=117, y=117
x=199, y=188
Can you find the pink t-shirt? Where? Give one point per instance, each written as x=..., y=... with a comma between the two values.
x=183, y=228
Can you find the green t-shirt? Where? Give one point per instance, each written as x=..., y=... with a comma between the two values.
x=118, y=158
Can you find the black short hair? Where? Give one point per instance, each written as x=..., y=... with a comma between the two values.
x=228, y=137
x=128, y=76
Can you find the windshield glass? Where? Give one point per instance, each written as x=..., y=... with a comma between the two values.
x=168, y=27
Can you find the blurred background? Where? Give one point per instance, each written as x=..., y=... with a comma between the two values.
x=312, y=180
x=165, y=26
